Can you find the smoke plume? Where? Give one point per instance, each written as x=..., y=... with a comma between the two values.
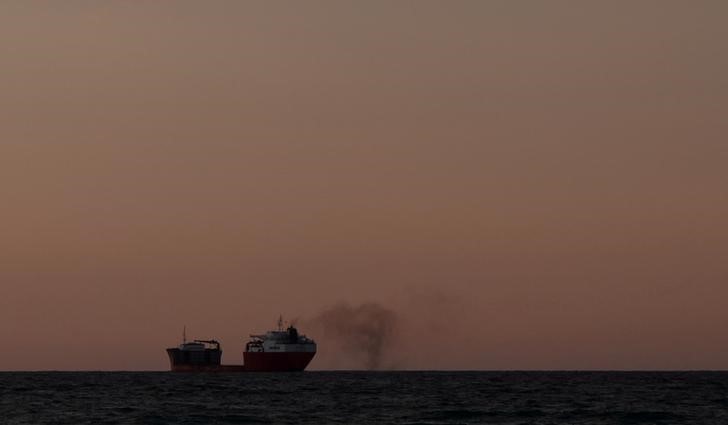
x=364, y=332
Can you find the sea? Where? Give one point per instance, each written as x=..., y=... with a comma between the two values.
x=314, y=397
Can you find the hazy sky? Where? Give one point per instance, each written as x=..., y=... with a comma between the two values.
x=534, y=184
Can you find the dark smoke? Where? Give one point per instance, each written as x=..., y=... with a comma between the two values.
x=365, y=331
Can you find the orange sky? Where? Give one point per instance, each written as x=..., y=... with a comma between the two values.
x=527, y=184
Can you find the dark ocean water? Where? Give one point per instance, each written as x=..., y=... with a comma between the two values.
x=365, y=397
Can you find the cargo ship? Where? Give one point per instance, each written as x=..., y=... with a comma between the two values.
x=280, y=350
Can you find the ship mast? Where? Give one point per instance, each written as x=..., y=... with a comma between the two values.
x=280, y=322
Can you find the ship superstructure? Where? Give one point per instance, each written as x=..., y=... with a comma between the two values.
x=279, y=350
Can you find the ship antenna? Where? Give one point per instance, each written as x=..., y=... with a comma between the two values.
x=280, y=322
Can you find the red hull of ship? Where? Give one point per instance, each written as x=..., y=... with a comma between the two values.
x=277, y=362
x=256, y=362
x=207, y=368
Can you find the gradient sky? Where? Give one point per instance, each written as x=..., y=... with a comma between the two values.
x=528, y=185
